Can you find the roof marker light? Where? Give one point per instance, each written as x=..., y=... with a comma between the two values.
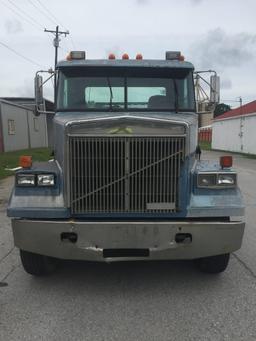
x=226, y=161
x=139, y=56
x=68, y=57
x=111, y=56
x=173, y=55
x=125, y=56
x=76, y=55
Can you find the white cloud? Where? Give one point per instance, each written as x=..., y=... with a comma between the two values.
x=196, y=2
x=147, y=26
x=226, y=83
x=143, y=2
x=222, y=50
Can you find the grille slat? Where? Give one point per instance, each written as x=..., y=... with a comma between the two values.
x=125, y=174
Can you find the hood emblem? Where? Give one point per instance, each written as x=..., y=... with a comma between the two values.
x=121, y=130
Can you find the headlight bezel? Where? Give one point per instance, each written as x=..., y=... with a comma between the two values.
x=217, y=176
x=35, y=176
x=46, y=175
x=19, y=176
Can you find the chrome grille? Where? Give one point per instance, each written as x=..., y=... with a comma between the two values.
x=125, y=174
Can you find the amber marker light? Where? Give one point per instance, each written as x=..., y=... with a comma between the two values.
x=181, y=58
x=25, y=161
x=139, y=56
x=226, y=161
x=125, y=56
x=68, y=57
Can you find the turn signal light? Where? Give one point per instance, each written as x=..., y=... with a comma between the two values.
x=25, y=161
x=125, y=56
x=226, y=161
x=139, y=56
x=111, y=56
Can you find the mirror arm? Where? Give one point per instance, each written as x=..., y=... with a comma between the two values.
x=49, y=71
x=204, y=80
x=38, y=110
x=213, y=71
x=48, y=78
x=45, y=112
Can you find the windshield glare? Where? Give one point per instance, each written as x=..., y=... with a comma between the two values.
x=106, y=93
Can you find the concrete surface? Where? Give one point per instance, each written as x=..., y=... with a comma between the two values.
x=132, y=301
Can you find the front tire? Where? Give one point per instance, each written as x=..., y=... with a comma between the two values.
x=213, y=264
x=37, y=265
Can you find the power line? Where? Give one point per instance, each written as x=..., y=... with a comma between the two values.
x=20, y=55
x=39, y=9
x=52, y=15
x=230, y=100
x=72, y=41
x=27, y=15
x=21, y=16
x=55, y=19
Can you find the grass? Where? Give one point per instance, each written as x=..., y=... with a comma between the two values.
x=205, y=145
x=11, y=159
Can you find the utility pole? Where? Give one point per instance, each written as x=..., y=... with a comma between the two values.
x=56, y=44
x=241, y=103
x=241, y=133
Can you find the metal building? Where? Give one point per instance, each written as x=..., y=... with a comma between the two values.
x=19, y=127
x=235, y=130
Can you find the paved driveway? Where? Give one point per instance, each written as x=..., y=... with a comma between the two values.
x=132, y=301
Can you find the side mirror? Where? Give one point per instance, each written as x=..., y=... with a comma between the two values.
x=215, y=89
x=39, y=98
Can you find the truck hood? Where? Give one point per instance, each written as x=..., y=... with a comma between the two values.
x=79, y=117
x=120, y=123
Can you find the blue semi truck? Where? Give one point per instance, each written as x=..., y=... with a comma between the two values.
x=126, y=182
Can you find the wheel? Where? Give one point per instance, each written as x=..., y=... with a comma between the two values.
x=213, y=264
x=37, y=265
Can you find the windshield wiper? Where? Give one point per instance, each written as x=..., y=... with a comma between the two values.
x=111, y=94
x=176, y=101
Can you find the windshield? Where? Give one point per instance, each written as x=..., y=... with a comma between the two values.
x=106, y=91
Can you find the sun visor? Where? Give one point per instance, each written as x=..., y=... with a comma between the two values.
x=110, y=71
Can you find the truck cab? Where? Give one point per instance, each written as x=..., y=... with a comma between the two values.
x=126, y=182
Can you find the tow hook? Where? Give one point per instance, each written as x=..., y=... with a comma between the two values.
x=183, y=238
x=68, y=237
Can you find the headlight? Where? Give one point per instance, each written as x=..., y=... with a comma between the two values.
x=216, y=180
x=206, y=180
x=25, y=179
x=45, y=180
x=226, y=180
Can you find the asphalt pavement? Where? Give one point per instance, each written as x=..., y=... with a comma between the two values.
x=132, y=301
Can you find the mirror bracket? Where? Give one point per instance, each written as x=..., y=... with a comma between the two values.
x=39, y=83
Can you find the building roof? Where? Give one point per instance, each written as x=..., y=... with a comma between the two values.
x=28, y=102
x=246, y=109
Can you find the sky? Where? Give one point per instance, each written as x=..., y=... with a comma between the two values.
x=218, y=35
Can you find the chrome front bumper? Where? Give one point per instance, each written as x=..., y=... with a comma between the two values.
x=158, y=238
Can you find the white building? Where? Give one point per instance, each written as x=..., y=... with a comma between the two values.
x=20, y=128
x=235, y=130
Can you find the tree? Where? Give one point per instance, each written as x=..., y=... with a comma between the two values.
x=221, y=109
